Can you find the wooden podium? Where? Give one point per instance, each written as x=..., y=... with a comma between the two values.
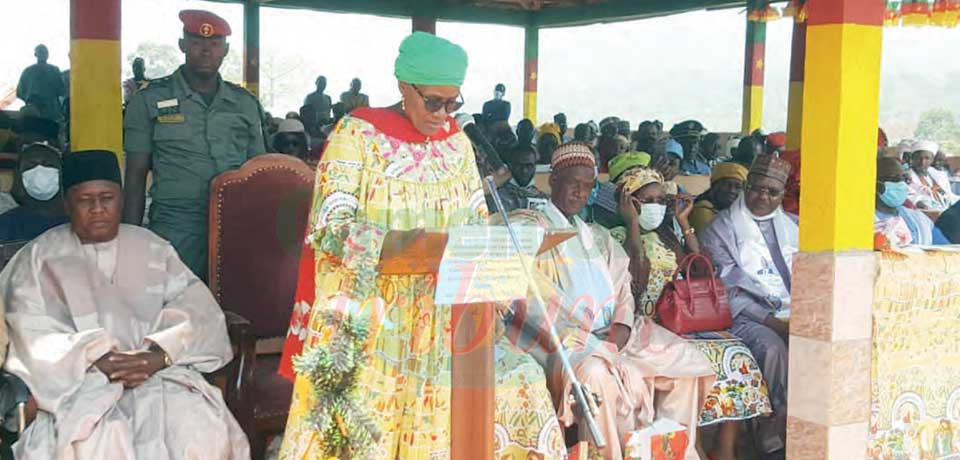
x=472, y=398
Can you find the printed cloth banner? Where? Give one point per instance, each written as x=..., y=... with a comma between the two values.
x=916, y=358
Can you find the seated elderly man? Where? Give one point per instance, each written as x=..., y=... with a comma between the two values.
x=898, y=225
x=641, y=371
x=926, y=191
x=111, y=331
x=291, y=139
x=752, y=244
x=726, y=184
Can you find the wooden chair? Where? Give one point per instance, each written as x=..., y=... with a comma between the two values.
x=258, y=219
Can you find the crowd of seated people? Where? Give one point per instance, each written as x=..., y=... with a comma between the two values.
x=618, y=189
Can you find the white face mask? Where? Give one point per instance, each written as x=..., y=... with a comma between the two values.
x=651, y=216
x=41, y=182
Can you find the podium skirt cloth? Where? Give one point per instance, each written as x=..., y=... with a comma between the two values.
x=379, y=174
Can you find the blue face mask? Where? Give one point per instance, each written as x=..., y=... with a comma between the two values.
x=894, y=194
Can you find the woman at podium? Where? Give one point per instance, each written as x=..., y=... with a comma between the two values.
x=386, y=172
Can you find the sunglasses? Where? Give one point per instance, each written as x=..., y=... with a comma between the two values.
x=434, y=104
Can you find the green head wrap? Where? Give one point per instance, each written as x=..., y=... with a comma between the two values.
x=426, y=59
x=624, y=161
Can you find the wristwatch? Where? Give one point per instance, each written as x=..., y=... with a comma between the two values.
x=167, y=362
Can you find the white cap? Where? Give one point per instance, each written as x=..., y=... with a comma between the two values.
x=905, y=146
x=291, y=126
x=926, y=146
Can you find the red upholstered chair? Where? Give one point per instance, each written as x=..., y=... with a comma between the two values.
x=258, y=219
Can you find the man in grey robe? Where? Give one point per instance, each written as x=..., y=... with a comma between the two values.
x=111, y=332
x=752, y=243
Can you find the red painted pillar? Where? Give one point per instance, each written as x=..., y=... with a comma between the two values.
x=96, y=119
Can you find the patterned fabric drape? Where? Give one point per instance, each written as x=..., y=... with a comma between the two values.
x=898, y=13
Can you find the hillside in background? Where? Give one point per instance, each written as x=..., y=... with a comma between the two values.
x=671, y=68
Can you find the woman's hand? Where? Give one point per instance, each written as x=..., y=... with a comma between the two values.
x=683, y=206
x=628, y=207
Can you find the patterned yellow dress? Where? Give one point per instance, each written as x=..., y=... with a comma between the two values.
x=379, y=174
x=739, y=392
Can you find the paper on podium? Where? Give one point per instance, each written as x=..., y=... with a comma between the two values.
x=423, y=255
x=480, y=264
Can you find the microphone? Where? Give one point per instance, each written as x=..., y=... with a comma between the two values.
x=483, y=146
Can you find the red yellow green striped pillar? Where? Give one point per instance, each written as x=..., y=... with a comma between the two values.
x=96, y=119
x=829, y=402
x=840, y=116
x=795, y=102
x=753, y=70
x=531, y=51
x=251, y=46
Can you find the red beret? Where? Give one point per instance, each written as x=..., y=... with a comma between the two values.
x=204, y=24
x=778, y=140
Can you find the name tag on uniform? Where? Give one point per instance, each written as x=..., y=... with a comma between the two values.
x=169, y=111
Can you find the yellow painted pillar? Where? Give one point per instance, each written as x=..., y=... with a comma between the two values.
x=829, y=394
x=840, y=116
x=753, y=66
x=251, y=46
x=531, y=51
x=96, y=118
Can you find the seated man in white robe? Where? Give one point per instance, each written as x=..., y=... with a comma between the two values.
x=641, y=371
x=928, y=190
x=111, y=332
x=899, y=225
x=752, y=243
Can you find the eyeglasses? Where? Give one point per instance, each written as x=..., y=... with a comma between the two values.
x=771, y=192
x=434, y=104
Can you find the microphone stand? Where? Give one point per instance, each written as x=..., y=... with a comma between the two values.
x=578, y=391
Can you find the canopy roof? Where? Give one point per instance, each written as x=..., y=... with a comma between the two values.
x=541, y=13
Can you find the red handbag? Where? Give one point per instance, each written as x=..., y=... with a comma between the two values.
x=694, y=304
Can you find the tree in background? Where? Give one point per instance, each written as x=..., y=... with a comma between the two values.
x=162, y=59
x=940, y=125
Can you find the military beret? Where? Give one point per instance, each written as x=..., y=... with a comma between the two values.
x=204, y=24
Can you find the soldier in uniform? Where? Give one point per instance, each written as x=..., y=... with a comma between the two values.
x=187, y=128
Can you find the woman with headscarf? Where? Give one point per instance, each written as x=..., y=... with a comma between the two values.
x=738, y=392
x=385, y=175
x=548, y=139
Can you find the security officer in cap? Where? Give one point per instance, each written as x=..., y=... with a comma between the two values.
x=187, y=128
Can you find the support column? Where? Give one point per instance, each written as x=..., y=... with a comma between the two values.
x=795, y=102
x=753, y=66
x=833, y=275
x=531, y=52
x=426, y=24
x=251, y=46
x=96, y=119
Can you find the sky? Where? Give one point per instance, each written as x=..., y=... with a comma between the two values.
x=669, y=68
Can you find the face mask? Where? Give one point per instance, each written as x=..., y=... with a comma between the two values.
x=894, y=194
x=651, y=216
x=41, y=182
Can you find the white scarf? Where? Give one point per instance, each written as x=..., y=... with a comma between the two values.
x=755, y=258
x=585, y=280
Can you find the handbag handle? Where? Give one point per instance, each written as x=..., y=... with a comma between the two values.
x=686, y=265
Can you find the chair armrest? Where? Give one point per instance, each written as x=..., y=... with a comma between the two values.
x=238, y=373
